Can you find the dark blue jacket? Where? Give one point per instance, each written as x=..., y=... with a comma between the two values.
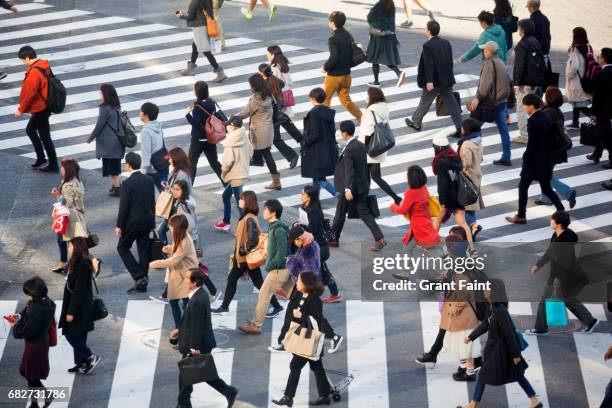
x=198, y=117
x=542, y=30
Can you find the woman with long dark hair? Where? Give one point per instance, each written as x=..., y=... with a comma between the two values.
x=34, y=325
x=308, y=305
x=314, y=213
x=575, y=68
x=276, y=86
x=197, y=115
x=247, y=239
x=502, y=362
x=503, y=17
x=108, y=147
x=383, y=45
x=181, y=168
x=201, y=42
x=376, y=111
x=76, y=319
x=71, y=193
x=260, y=112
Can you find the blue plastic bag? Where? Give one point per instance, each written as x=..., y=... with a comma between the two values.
x=556, y=316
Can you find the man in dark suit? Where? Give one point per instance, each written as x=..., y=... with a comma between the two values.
x=542, y=25
x=135, y=221
x=435, y=76
x=602, y=107
x=196, y=337
x=352, y=182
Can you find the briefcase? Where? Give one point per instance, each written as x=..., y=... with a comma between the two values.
x=197, y=369
x=442, y=109
x=589, y=134
x=156, y=248
x=372, y=203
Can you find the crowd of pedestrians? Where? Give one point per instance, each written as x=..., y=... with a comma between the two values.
x=295, y=254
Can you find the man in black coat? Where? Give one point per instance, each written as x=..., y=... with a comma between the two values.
x=537, y=159
x=542, y=25
x=319, y=147
x=602, y=108
x=435, y=76
x=135, y=221
x=196, y=337
x=352, y=181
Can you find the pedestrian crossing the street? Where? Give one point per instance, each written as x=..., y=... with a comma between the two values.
x=143, y=60
x=142, y=341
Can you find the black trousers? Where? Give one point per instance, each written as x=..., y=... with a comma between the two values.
x=266, y=154
x=295, y=367
x=79, y=347
x=284, y=149
x=184, y=397
x=605, y=129
x=138, y=269
x=39, y=132
x=437, y=346
x=571, y=302
x=546, y=188
x=294, y=299
x=328, y=278
x=361, y=204
x=376, y=175
x=209, y=56
x=196, y=148
x=232, y=283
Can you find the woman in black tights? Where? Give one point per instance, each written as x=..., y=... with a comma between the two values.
x=377, y=111
x=201, y=42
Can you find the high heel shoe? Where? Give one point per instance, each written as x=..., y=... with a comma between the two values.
x=59, y=269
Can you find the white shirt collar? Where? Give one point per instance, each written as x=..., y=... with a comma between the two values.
x=192, y=293
x=133, y=171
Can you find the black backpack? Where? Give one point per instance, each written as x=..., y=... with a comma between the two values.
x=125, y=131
x=536, y=67
x=56, y=92
x=591, y=68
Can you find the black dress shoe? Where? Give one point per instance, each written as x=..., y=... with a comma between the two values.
x=38, y=163
x=115, y=192
x=294, y=162
x=319, y=401
x=231, y=396
x=607, y=165
x=139, y=286
x=411, y=124
x=285, y=401
x=593, y=158
x=572, y=199
x=50, y=169
x=463, y=376
x=501, y=162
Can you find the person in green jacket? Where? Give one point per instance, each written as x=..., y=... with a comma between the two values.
x=278, y=275
x=491, y=32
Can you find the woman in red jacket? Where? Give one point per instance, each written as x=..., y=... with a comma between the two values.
x=421, y=231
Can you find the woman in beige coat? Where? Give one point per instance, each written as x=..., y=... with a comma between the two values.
x=261, y=128
x=471, y=151
x=182, y=258
x=71, y=192
x=574, y=69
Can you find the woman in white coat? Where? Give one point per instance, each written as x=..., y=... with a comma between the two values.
x=574, y=69
x=377, y=107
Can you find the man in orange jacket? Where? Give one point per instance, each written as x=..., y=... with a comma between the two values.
x=33, y=100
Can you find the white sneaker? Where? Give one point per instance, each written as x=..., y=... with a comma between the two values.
x=246, y=13
x=216, y=299
x=401, y=79
x=255, y=290
x=335, y=343
x=279, y=348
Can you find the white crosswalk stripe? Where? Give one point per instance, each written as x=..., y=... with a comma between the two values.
x=140, y=334
x=143, y=61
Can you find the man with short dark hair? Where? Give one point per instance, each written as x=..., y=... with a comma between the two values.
x=338, y=66
x=537, y=159
x=435, y=77
x=151, y=142
x=135, y=221
x=602, y=108
x=33, y=99
x=196, y=336
x=352, y=181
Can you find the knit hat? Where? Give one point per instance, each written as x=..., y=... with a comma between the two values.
x=489, y=45
x=440, y=139
x=295, y=232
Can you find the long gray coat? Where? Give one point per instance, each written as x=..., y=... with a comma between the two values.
x=107, y=143
x=261, y=128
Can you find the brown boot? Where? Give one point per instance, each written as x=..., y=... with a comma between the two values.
x=220, y=75
x=516, y=219
x=276, y=183
x=190, y=70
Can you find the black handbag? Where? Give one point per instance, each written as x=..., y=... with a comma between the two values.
x=92, y=241
x=197, y=369
x=160, y=160
x=486, y=111
x=157, y=246
x=257, y=159
x=358, y=54
x=589, y=135
x=372, y=203
x=99, y=310
x=381, y=140
x=467, y=193
x=550, y=78
x=441, y=108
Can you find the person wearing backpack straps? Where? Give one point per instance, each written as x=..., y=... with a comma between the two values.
x=152, y=142
x=575, y=70
x=33, y=99
x=108, y=146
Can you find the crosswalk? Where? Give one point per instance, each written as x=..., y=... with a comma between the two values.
x=142, y=60
x=142, y=341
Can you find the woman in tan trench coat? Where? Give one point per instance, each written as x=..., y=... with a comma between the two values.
x=183, y=257
x=471, y=151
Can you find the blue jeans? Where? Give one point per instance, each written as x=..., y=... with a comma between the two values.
x=470, y=217
x=162, y=231
x=177, y=310
x=479, y=390
x=322, y=182
x=227, y=201
x=63, y=248
x=501, y=111
x=563, y=190
x=158, y=178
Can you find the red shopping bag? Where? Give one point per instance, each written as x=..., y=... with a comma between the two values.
x=59, y=218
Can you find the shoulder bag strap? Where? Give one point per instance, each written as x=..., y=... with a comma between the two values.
x=95, y=284
x=42, y=71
